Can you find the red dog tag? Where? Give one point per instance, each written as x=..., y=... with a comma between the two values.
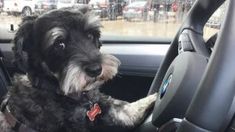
x=95, y=110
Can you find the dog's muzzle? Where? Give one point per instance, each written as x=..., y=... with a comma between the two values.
x=76, y=79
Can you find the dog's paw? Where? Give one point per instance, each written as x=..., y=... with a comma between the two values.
x=145, y=103
x=131, y=114
x=150, y=100
x=153, y=97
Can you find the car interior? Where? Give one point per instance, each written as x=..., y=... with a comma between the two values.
x=194, y=77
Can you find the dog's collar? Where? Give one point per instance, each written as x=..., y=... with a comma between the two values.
x=93, y=109
x=15, y=124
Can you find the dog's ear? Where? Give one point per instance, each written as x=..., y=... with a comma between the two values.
x=23, y=39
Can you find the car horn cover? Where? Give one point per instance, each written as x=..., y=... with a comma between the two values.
x=178, y=87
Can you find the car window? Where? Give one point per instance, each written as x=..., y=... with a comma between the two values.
x=157, y=18
x=214, y=23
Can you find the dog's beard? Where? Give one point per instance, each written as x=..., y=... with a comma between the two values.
x=75, y=80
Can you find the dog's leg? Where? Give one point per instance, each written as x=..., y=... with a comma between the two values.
x=128, y=115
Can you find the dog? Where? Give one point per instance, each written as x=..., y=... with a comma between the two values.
x=60, y=53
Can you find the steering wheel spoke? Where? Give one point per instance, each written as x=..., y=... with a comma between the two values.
x=192, y=41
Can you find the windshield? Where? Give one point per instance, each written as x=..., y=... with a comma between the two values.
x=150, y=18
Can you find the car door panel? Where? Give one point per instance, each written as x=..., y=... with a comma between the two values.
x=137, y=59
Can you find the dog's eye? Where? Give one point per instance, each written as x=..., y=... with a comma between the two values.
x=90, y=36
x=60, y=45
x=99, y=44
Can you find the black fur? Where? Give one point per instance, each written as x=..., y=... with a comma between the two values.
x=46, y=111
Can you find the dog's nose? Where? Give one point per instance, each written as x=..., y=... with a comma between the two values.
x=93, y=70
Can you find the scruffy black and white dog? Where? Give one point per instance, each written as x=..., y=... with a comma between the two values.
x=59, y=51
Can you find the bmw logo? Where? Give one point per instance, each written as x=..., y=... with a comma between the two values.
x=165, y=86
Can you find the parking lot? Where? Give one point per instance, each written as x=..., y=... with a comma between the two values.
x=161, y=29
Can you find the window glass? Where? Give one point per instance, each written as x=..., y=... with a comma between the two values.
x=151, y=18
x=214, y=23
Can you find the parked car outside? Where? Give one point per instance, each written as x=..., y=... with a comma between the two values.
x=166, y=4
x=100, y=7
x=70, y=3
x=42, y=6
x=136, y=10
x=108, y=8
x=24, y=7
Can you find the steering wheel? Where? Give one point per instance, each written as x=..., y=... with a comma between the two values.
x=193, y=85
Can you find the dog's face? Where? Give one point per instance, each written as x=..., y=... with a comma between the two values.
x=65, y=43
